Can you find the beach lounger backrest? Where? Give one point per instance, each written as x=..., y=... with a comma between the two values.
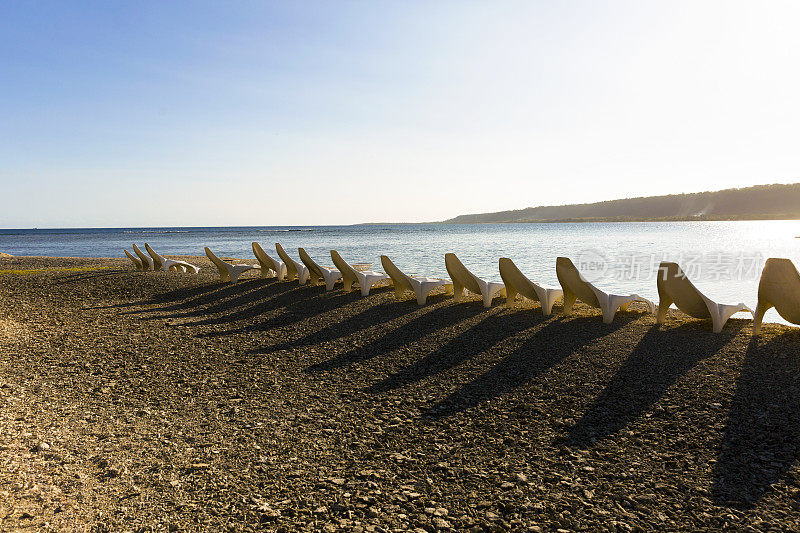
x=675, y=286
x=261, y=255
x=136, y=262
x=398, y=278
x=459, y=273
x=291, y=269
x=158, y=261
x=219, y=263
x=313, y=267
x=571, y=281
x=146, y=261
x=780, y=287
x=348, y=273
x=516, y=280
x=264, y=259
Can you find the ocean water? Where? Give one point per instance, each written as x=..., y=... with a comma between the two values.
x=723, y=259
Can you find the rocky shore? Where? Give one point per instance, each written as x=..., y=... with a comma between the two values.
x=137, y=401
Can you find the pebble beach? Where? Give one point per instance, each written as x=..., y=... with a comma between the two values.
x=159, y=401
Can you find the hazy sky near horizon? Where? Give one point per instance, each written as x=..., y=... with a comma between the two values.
x=294, y=113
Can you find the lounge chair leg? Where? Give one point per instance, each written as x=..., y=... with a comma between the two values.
x=365, y=287
x=330, y=283
x=422, y=295
x=608, y=309
x=547, y=304
x=458, y=291
x=569, y=301
x=663, y=306
x=717, y=322
x=511, y=295
x=722, y=313
x=398, y=292
x=759, y=316
x=487, y=299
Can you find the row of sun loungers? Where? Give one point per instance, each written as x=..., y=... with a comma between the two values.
x=779, y=286
x=157, y=262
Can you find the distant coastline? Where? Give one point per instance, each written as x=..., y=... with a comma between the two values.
x=792, y=216
x=762, y=202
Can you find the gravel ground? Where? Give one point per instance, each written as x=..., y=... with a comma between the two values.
x=161, y=401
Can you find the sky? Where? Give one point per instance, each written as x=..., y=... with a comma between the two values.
x=118, y=114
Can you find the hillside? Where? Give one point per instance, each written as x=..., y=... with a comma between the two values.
x=778, y=201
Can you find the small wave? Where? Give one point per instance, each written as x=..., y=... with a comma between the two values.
x=39, y=233
x=283, y=230
x=156, y=231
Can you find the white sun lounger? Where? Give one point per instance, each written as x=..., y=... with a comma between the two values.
x=577, y=288
x=294, y=269
x=675, y=287
x=517, y=283
x=464, y=279
x=319, y=273
x=365, y=279
x=164, y=264
x=779, y=288
x=269, y=267
x=227, y=271
x=147, y=262
x=137, y=263
x=421, y=287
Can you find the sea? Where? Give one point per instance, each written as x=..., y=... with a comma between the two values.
x=723, y=259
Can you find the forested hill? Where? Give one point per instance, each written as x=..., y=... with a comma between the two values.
x=777, y=201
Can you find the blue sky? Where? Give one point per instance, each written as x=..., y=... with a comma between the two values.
x=162, y=113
